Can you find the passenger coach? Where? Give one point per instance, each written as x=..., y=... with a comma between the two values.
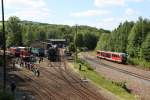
x=112, y=56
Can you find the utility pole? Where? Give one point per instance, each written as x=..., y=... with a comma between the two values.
x=75, y=45
x=4, y=48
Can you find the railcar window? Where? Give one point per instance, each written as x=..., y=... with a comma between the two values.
x=108, y=55
x=114, y=55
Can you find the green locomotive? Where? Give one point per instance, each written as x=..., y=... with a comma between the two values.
x=38, y=52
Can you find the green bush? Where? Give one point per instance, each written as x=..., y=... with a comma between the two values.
x=136, y=61
x=122, y=85
x=6, y=96
x=85, y=64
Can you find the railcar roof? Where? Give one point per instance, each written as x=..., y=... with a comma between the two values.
x=111, y=52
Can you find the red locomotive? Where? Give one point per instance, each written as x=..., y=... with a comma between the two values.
x=14, y=51
x=24, y=52
x=112, y=56
x=19, y=51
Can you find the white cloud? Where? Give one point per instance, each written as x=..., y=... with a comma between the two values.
x=130, y=12
x=35, y=10
x=106, y=3
x=90, y=13
x=24, y=3
x=108, y=23
x=102, y=3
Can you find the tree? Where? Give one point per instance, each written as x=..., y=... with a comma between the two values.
x=146, y=48
x=119, y=37
x=41, y=34
x=79, y=40
x=14, y=30
x=90, y=40
x=71, y=47
x=137, y=37
x=103, y=42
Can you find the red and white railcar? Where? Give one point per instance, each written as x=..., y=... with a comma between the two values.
x=112, y=56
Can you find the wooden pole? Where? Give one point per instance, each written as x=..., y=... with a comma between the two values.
x=76, y=55
x=4, y=47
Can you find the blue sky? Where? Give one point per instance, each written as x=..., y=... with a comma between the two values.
x=97, y=13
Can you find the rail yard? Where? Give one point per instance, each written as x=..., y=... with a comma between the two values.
x=56, y=82
x=75, y=50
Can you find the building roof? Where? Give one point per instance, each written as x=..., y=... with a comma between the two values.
x=57, y=40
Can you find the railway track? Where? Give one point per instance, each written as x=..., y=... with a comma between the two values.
x=81, y=90
x=56, y=82
x=83, y=86
x=119, y=69
x=41, y=86
x=85, y=89
x=44, y=86
x=38, y=88
x=75, y=90
x=33, y=87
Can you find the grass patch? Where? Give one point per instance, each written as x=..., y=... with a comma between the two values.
x=118, y=89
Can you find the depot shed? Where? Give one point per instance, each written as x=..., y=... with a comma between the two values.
x=57, y=41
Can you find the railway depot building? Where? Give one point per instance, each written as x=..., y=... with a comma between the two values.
x=59, y=42
x=45, y=44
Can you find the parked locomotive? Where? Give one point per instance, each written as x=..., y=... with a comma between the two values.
x=24, y=52
x=15, y=51
x=53, y=53
x=38, y=51
x=112, y=56
x=19, y=51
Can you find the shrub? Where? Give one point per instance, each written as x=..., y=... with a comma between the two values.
x=140, y=62
x=122, y=85
x=83, y=62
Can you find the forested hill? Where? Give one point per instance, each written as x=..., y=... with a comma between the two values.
x=25, y=32
x=132, y=38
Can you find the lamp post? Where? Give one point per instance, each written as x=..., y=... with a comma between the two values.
x=4, y=48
